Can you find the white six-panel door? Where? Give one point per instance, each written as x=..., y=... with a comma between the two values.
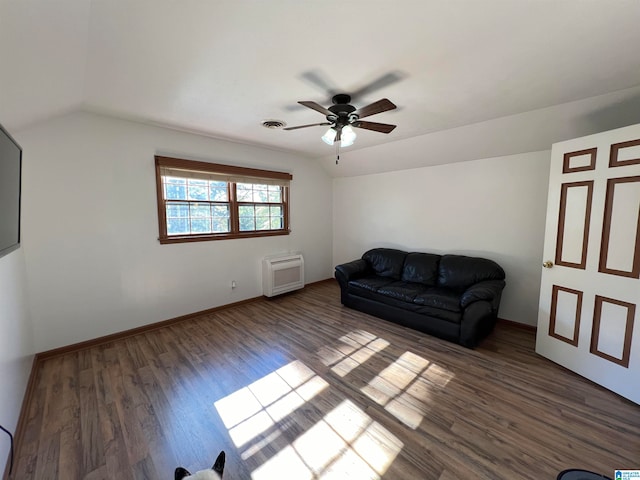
x=589, y=314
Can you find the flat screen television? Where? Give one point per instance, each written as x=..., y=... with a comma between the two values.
x=10, y=187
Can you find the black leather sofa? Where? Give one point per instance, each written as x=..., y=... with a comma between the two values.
x=453, y=297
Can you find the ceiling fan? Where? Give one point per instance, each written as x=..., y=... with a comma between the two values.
x=342, y=116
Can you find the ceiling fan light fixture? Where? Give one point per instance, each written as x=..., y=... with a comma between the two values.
x=348, y=136
x=342, y=116
x=329, y=136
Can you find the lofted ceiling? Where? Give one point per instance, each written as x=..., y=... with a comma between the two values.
x=221, y=67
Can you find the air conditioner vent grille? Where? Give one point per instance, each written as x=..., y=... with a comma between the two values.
x=281, y=274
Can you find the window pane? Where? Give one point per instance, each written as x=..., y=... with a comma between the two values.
x=177, y=226
x=177, y=210
x=198, y=189
x=177, y=218
x=247, y=224
x=258, y=193
x=275, y=211
x=221, y=225
x=246, y=211
x=275, y=194
x=219, y=194
x=261, y=193
x=221, y=221
x=262, y=210
x=200, y=210
x=201, y=225
x=175, y=188
x=244, y=192
x=220, y=210
x=263, y=223
x=277, y=217
x=246, y=215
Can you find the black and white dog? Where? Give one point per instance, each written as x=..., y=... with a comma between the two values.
x=214, y=473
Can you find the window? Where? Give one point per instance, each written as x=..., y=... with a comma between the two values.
x=207, y=201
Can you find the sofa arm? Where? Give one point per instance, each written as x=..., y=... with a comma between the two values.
x=477, y=322
x=351, y=270
x=488, y=290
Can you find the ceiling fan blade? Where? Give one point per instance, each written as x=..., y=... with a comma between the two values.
x=319, y=80
x=378, y=84
x=310, y=125
x=375, y=126
x=376, y=107
x=317, y=107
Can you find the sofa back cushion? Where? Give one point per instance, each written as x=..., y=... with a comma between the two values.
x=421, y=268
x=386, y=262
x=459, y=271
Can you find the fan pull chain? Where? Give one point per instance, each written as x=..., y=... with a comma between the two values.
x=337, y=152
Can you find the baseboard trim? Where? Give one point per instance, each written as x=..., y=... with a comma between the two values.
x=22, y=418
x=524, y=326
x=136, y=331
x=147, y=328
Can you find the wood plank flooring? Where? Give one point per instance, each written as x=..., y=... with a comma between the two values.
x=300, y=387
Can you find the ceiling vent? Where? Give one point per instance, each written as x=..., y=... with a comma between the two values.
x=274, y=124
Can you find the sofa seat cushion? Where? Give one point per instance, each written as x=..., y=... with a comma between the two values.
x=370, y=284
x=439, y=298
x=439, y=313
x=404, y=291
x=428, y=312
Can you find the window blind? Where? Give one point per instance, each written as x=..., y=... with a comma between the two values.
x=221, y=177
x=175, y=167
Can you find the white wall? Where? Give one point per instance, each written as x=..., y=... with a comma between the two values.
x=494, y=208
x=16, y=344
x=94, y=264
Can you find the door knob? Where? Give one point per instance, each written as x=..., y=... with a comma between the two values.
x=547, y=264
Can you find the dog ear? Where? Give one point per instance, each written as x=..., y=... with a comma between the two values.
x=181, y=473
x=218, y=466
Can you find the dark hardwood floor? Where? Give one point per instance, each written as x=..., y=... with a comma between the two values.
x=300, y=387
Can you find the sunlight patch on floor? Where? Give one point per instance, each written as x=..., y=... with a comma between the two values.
x=406, y=386
x=254, y=409
x=438, y=375
x=345, y=443
x=354, y=349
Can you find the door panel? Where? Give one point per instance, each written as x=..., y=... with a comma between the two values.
x=574, y=223
x=620, y=253
x=588, y=315
x=566, y=309
x=611, y=338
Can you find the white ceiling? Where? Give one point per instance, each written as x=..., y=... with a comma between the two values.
x=221, y=67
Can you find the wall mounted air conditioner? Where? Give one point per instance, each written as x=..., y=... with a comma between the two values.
x=282, y=273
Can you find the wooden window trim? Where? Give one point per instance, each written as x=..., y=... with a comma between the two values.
x=232, y=170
